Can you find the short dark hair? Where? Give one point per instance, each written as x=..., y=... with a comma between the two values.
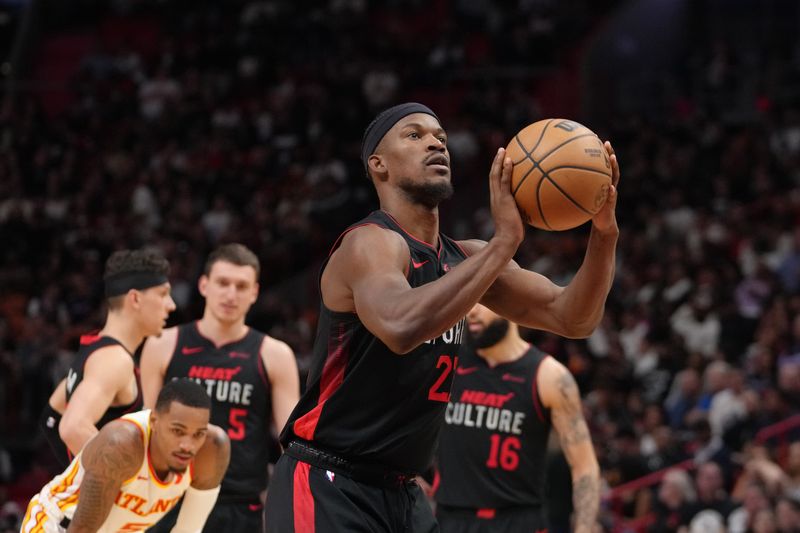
x=124, y=261
x=184, y=391
x=235, y=253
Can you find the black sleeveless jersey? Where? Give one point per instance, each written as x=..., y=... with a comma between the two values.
x=241, y=403
x=366, y=403
x=89, y=345
x=494, y=442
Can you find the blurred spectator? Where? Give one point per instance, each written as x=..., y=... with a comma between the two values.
x=744, y=518
x=698, y=325
x=675, y=493
x=787, y=515
x=711, y=494
x=684, y=397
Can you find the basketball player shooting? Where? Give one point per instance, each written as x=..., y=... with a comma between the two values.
x=395, y=292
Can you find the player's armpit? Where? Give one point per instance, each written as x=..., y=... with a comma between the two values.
x=109, y=459
x=156, y=355
x=212, y=459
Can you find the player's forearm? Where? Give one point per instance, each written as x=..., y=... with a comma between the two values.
x=585, y=499
x=426, y=312
x=75, y=434
x=583, y=301
x=96, y=499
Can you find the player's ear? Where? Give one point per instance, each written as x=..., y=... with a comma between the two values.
x=134, y=297
x=202, y=284
x=377, y=167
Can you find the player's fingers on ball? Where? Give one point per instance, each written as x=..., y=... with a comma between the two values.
x=497, y=162
x=508, y=166
x=614, y=168
x=612, y=196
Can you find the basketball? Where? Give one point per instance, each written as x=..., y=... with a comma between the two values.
x=561, y=175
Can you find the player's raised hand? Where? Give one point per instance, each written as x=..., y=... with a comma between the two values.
x=508, y=224
x=606, y=219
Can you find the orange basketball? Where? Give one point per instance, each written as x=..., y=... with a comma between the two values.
x=561, y=175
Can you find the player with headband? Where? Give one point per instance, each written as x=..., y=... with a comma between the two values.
x=103, y=381
x=394, y=293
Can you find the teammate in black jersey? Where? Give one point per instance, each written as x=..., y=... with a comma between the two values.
x=394, y=296
x=506, y=395
x=103, y=382
x=251, y=378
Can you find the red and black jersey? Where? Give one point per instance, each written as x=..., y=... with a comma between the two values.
x=364, y=402
x=89, y=345
x=493, y=445
x=236, y=380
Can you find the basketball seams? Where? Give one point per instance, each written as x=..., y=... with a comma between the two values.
x=578, y=167
x=541, y=136
x=536, y=164
x=546, y=176
x=529, y=154
x=525, y=176
x=539, y=199
x=555, y=148
x=540, y=193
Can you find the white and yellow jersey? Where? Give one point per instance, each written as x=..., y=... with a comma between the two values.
x=141, y=502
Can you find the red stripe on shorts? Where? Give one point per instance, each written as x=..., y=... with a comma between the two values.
x=303, y=501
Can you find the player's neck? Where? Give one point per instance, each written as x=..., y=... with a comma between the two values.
x=419, y=221
x=159, y=464
x=509, y=349
x=123, y=330
x=221, y=332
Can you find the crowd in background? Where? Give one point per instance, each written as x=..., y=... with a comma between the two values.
x=220, y=127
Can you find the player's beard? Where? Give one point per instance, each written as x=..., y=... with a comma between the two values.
x=491, y=335
x=428, y=194
x=178, y=469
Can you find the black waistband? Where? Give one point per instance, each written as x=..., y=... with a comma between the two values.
x=487, y=512
x=363, y=473
x=250, y=499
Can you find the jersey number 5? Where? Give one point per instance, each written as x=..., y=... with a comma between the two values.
x=435, y=393
x=236, y=422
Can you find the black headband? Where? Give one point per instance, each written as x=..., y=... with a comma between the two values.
x=384, y=122
x=121, y=283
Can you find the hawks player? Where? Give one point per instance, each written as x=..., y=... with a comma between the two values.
x=137, y=468
x=252, y=380
x=506, y=396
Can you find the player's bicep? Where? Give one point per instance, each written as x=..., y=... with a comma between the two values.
x=284, y=381
x=212, y=459
x=156, y=353
x=109, y=459
x=566, y=414
x=371, y=264
x=95, y=393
